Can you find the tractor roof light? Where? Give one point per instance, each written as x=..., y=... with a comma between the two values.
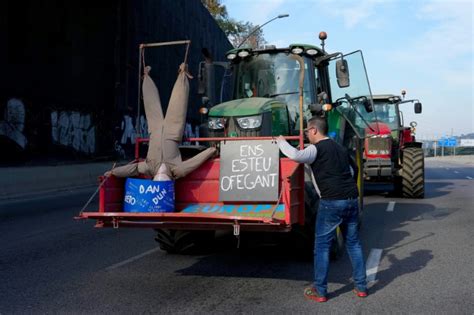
x=394, y=99
x=231, y=56
x=297, y=50
x=243, y=53
x=203, y=110
x=312, y=52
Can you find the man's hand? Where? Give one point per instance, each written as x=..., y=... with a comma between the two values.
x=280, y=138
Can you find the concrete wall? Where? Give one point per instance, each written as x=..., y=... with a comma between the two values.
x=72, y=65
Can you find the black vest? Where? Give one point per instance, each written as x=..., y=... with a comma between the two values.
x=331, y=170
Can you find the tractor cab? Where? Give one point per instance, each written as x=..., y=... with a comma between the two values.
x=262, y=90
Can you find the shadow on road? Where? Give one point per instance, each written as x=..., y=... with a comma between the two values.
x=417, y=260
x=261, y=255
x=433, y=189
x=279, y=260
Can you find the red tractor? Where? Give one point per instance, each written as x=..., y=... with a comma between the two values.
x=391, y=152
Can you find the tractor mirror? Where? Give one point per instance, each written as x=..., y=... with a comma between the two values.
x=342, y=73
x=417, y=108
x=368, y=105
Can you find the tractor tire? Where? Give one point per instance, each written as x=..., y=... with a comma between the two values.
x=185, y=242
x=413, y=173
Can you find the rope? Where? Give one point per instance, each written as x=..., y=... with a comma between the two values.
x=143, y=58
x=278, y=202
x=186, y=54
x=95, y=192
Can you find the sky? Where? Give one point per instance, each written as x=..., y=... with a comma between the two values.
x=422, y=46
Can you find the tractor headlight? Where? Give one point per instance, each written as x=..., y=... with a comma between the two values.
x=216, y=123
x=250, y=122
x=312, y=52
x=231, y=56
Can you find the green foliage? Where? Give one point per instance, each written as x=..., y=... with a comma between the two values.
x=236, y=31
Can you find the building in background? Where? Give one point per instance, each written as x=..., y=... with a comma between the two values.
x=69, y=74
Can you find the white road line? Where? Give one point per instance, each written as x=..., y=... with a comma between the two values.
x=372, y=264
x=456, y=172
x=468, y=177
x=391, y=206
x=447, y=168
x=127, y=261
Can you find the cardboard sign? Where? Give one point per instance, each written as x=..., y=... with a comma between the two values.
x=249, y=171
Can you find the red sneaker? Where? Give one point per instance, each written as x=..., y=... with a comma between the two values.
x=361, y=294
x=312, y=294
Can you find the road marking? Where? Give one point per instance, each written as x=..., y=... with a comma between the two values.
x=468, y=177
x=372, y=264
x=391, y=206
x=456, y=172
x=447, y=168
x=127, y=261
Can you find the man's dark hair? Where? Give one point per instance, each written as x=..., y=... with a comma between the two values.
x=320, y=124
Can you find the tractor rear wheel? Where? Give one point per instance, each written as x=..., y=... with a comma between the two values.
x=184, y=242
x=413, y=173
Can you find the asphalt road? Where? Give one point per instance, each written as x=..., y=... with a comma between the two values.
x=50, y=263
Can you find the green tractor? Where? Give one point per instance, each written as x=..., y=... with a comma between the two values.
x=273, y=91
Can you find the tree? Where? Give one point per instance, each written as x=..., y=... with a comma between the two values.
x=236, y=31
x=243, y=31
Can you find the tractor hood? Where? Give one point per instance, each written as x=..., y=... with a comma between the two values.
x=245, y=107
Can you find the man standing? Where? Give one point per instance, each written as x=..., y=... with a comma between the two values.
x=331, y=166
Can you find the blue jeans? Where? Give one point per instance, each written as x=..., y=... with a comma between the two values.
x=331, y=214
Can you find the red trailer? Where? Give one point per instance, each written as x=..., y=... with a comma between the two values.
x=198, y=206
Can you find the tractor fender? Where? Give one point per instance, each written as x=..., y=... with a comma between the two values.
x=413, y=144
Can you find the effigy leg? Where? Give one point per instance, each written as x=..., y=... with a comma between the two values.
x=175, y=119
x=129, y=170
x=155, y=119
x=193, y=163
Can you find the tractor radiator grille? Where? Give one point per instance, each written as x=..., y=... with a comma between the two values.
x=379, y=145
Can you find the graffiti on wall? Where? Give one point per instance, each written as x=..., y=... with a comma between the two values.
x=127, y=134
x=127, y=137
x=73, y=129
x=13, y=124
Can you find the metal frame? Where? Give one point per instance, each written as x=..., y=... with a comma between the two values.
x=141, y=57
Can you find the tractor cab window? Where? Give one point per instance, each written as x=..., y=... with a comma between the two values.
x=273, y=76
x=387, y=114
